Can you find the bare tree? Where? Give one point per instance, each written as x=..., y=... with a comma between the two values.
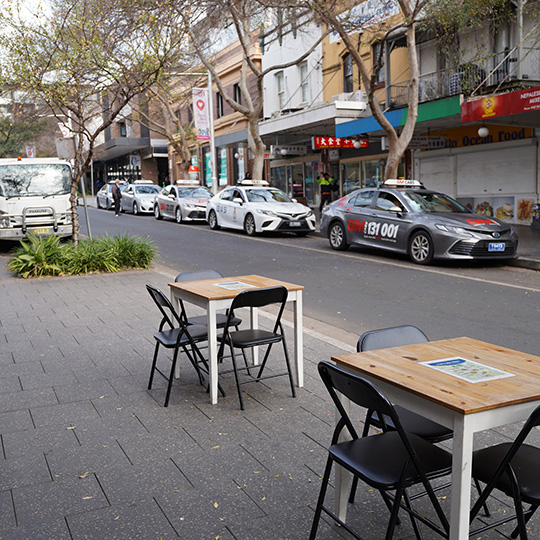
x=356, y=31
x=243, y=18
x=87, y=59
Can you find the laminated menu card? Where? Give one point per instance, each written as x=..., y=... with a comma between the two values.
x=467, y=370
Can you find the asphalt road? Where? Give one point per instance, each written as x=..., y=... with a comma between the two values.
x=357, y=290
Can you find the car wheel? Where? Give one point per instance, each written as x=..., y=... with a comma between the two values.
x=421, y=248
x=212, y=221
x=157, y=213
x=249, y=225
x=178, y=215
x=338, y=237
x=135, y=209
x=109, y=205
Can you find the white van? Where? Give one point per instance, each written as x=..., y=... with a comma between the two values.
x=34, y=197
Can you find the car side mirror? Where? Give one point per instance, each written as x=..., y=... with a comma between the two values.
x=294, y=200
x=172, y=196
x=396, y=209
x=238, y=200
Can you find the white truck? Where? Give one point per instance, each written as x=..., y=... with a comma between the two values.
x=34, y=197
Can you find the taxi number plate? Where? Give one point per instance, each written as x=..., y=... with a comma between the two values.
x=43, y=230
x=294, y=224
x=496, y=246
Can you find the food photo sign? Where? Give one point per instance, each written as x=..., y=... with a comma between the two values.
x=507, y=208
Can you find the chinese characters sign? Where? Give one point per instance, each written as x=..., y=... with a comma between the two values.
x=336, y=142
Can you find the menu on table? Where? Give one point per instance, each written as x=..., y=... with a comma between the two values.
x=467, y=370
x=234, y=285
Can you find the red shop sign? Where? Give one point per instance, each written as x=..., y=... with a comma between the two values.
x=336, y=142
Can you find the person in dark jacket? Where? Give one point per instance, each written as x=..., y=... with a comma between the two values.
x=326, y=185
x=116, y=195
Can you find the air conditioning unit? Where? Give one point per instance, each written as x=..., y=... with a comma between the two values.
x=358, y=95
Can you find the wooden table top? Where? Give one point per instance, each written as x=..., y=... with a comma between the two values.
x=210, y=289
x=401, y=367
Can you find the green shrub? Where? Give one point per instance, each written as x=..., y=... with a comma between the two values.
x=48, y=257
x=38, y=257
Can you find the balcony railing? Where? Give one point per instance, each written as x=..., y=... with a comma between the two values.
x=496, y=70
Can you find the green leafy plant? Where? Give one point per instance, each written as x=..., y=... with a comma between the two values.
x=40, y=256
x=37, y=257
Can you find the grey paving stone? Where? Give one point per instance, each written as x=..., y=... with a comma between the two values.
x=139, y=520
x=41, y=380
x=51, y=501
x=104, y=430
x=15, y=421
x=90, y=458
x=7, y=514
x=68, y=414
x=29, y=441
x=10, y=384
x=39, y=397
x=67, y=393
x=23, y=470
x=57, y=530
x=22, y=368
x=128, y=483
x=6, y=358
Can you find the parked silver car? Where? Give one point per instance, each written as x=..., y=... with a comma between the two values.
x=104, y=196
x=404, y=217
x=139, y=197
x=183, y=202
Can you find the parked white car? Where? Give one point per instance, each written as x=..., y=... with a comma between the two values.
x=104, y=196
x=139, y=197
x=256, y=207
x=185, y=201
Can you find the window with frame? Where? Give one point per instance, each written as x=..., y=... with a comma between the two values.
x=123, y=129
x=237, y=93
x=348, y=81
x=280, y=88
x=378, y=50
x=219, y=105
x=304, y=81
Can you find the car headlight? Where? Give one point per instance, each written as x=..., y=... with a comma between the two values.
x=309, y=214
x=449, y=228
x=266, y=212
x=190, y=206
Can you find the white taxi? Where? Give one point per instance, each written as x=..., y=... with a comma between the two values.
x=185, y=201
x=256, y=207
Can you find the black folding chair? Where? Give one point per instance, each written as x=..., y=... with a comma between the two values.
x=514, y=469
x=412, y=423
x=195, y=275
x=390, y=462
x=255, y=337
x=178, y=336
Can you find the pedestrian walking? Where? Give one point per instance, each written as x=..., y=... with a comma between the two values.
x=117, y=195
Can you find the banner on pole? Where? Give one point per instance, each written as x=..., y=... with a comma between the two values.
x=200, y=114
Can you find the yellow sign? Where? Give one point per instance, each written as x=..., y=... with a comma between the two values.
x=468, y=135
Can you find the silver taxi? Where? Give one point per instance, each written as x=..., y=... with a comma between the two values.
x=185, y=201
x=139, y=197
x=404, y=217
x=104, y=198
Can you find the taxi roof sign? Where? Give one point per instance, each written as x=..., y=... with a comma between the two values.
x=402, y=182
x=254, y=183
x=187, y=183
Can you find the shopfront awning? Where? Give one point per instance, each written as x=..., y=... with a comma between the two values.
x=427, y=112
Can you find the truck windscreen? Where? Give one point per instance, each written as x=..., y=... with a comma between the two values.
x=34, y=180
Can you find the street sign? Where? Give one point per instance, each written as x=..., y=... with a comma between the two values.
x=428, y=142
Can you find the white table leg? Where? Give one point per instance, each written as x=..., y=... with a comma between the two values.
x=298, y=340
x=342, y=478
x=461, y=478
x=254, y=322
x=212, y=352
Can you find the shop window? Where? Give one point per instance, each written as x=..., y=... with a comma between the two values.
x=123, y=129
x=348, y=82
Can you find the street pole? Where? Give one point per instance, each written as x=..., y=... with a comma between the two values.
x=213, y=160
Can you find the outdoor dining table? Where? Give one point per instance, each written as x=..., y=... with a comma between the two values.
x=217, y=294
x=462, y=383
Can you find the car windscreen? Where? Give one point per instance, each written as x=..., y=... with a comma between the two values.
x=431, y=203
x=266, y=195
x=146, y=190
x=32, y=180
x=198, y=193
